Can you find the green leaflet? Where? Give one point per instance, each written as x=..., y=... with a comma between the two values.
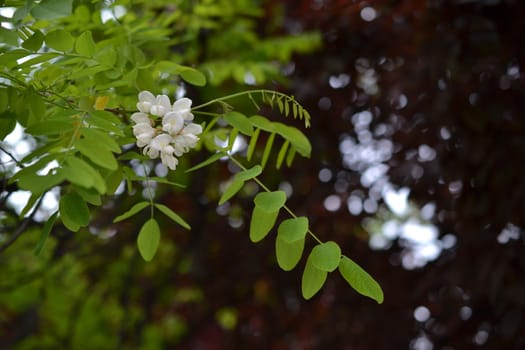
x=326, y=256
x=292, y=230
x=239, y=121
x=270, y=201
x=45, y=233
x=261, y=223
x=60, y=40
x=192, y=76
x=134, y=210
x=74, y=211
x=172, y=215
x=34, y=42
x=148, y=239
x=360, y=280
x=313, y=279
x=85, y=45
x=97, y=153
x=235, y=186
x=52, y=9
x=287, y=253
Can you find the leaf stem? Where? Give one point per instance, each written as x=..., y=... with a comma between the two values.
x=264, y=187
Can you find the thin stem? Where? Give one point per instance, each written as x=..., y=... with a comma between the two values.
x=264, y=187
x=11, y=156
x=248, y=92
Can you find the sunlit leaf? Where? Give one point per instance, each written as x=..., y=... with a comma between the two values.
x=360, y=280
x=294, y=229
x=313, y=279
x=288, y=254
x=326, y=256
x=261, y=223
x=148, y=239
x=270, y=201
x=85, y=45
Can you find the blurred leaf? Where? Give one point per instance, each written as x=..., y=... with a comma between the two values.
x=52, y=9
x=172, y=215
x=148, y=239
x=74, y=211
x=85, y=45
x=45, y=233
x=97, y=153
x=134, y=210
x=34, y=42
x=59, y=40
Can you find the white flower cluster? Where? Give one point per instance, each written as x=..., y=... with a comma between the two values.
x=174, y=136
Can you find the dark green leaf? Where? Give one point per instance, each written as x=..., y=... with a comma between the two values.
x=45, y=233
x=360, y=280
x=74, y=211
x=148, y=239
x=34, y=42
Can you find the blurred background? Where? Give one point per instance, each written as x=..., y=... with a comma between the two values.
x=417, y=171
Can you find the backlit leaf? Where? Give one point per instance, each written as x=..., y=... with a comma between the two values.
x=288, y=254
x=360, y=280
x=313, y=279
x=270, y=201
x=294, y=229
x=326, y=256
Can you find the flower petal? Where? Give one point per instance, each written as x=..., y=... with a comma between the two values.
x=172, y=123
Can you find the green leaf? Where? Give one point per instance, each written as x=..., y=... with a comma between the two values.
x=288, y=254
x=207, y=162
x=52, y=9
x=134, y=210
x=282, y=154
x=294, y=229
x=270, y=201
x=39, y=184
x=360, y=280
x=103, y=138
x=59, y=40
x=262, y=123
x=252, y=144
x=45, y=233
x=239, y=121
x=172, y=215
x=192, y=76
x=90, y=195
x=96, y=153
x=235, y=186
x=85, y=45
x=51, y=127
x=249, y=174
x=326, y=256
x=313, y=279
x=74, y=211
x=34, y=42
x=149, y=239
x=296, y=138
x=267, y=149
x=261, y=223
x=8, y=36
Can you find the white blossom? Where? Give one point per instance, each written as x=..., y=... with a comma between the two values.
x=174, y=136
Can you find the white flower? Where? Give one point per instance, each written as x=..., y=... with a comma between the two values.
x=144, y=134
x=146, y=100
x=161, y=106
x=161, y=145
x=172, y=123
x=186, y=139
x=183, y=108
